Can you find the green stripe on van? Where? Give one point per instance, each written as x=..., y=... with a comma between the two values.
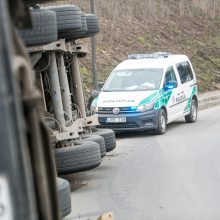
x=194, y=91
x=163, y=99
x=160, y=98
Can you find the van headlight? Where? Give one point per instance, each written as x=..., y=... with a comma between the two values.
x=94, y=109
x=94, y=105
x=145, y=107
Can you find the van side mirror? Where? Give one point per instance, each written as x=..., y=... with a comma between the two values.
x=170, y=85
x=100, y=85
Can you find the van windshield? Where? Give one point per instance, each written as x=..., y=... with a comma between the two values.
x=134, y=80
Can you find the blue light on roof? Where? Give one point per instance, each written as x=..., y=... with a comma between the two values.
x=149, y=55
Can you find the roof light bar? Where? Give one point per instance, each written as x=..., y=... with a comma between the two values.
x=149, y=55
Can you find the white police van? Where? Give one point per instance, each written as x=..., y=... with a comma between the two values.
x=148, y=91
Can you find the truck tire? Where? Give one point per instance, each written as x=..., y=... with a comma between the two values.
x=92, y=20
x=68, y=17
x=64, y=198
x=98, y=139
x=84, y=155
x=109, y=137
x=44, y=28
x=84, y=23
x=76, y=34
x=92, y=25
x=192, y=116
x=92, y=28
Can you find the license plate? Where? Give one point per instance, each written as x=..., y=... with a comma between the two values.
x=116, y=120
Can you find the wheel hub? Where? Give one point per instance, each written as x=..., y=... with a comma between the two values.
x=163, y=122
x=194, y=112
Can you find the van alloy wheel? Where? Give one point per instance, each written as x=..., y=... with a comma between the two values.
x=192, y=116
x=162, y=122
x=194, y=112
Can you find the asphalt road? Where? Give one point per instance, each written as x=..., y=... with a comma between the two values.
x=175, y=176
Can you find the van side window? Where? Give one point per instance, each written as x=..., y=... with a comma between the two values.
x=185, y=72
x=169, y=76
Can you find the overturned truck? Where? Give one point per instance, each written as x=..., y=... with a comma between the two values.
x=54, y=52
x=29, y=186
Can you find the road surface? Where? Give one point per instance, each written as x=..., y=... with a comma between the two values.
x=175, y=176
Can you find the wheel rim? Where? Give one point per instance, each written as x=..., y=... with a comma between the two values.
x=194, y=111
x=163, y=122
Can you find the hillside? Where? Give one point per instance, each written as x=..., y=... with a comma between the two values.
x=191, y=27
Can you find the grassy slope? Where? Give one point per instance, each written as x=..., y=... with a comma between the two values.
x=132, y=26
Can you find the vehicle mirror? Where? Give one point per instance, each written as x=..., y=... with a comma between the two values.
x=100, y=85
x=94, y=94
x=170, y=85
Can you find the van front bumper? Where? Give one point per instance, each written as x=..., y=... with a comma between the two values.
x=134, y=121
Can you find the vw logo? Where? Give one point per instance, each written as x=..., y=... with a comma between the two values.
x=116, y=111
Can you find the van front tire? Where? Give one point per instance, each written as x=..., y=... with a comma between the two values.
x=162, y=122
x=192, y=116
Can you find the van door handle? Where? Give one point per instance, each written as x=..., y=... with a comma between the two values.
x=182, y=92
x=178, y=94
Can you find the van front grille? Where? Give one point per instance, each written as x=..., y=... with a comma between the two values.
x=109, y=110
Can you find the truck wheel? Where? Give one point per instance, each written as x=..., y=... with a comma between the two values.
x=84, y=23
x=92, y=25
x=44, y=28
x=192, y=116
x=68, y=17
x=84, y=155
x=162, y=122
x=76, y=34
x=90, y=21
x=64, y=198
x=109, y=137
x=98, y=139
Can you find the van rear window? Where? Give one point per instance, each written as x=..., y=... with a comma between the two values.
x=185, y=72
